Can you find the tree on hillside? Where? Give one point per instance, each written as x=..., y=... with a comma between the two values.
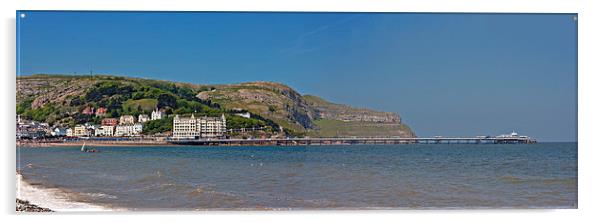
x=114, y=114
x=168, y=111
x=166, y=100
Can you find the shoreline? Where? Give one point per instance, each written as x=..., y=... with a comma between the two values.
x=89, y=143
x=50, y=199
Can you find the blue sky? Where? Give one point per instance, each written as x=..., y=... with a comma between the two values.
x=445, y=74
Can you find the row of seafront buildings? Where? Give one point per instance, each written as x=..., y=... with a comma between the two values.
x=31, y=129
x=185, y=127
x=126, y=125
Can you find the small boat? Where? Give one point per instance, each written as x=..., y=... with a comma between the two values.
x=84, y=149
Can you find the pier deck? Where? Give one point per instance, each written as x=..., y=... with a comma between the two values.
x=352, y=141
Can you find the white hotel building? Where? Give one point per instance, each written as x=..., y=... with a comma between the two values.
x=190, y=127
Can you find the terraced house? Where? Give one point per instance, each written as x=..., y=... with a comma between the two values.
x=105, y=130
x=128, y=130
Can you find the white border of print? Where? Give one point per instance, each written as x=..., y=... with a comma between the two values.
x=589, y=108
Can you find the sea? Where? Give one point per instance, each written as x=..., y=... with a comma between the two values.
x=415, y=176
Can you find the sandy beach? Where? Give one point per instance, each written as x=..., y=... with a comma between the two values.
x=35, y=198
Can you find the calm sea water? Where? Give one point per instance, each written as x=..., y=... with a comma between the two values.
x=540, y=175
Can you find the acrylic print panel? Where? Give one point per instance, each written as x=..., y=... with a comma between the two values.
x=182, y=111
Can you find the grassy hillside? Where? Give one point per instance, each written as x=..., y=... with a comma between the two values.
x=337, y=128
x=146, y=105
x=59, y=100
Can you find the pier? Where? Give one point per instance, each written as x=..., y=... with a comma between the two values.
x=354, y=141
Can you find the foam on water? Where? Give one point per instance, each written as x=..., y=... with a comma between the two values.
x=53, y=199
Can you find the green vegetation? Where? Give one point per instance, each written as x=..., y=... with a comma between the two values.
x=237, y=122
x=122, y=97
x=158, y=126
x=24, y=106
x=39, y=114
x=140, y=106
x=185, y=106
x=130, y=96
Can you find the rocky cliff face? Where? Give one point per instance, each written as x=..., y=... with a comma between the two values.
x=328, y=110
x=274, y=101
x=302, y=113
